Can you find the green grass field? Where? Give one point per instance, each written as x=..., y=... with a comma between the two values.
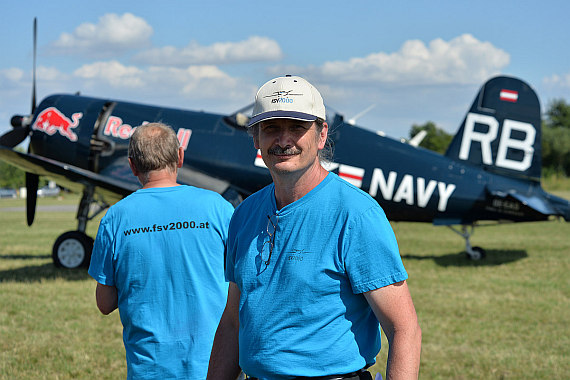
x=505, y=317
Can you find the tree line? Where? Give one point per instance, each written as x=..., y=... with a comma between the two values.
x=13, y=177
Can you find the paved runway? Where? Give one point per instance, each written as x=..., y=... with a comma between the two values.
x=50, y=208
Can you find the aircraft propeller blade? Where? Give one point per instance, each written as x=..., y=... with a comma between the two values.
x=21, y=124
x=34, y=68
x=14, y=137
x=32, y=181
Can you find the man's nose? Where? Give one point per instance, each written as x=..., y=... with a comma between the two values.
x=284, y=138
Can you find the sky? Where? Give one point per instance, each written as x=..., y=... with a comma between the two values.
x=405, y=62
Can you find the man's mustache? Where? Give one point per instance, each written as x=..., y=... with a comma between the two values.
x=280, y=151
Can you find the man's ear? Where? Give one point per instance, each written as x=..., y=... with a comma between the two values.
x=323, y=135
x=133, y=168
x=255, y=134
x=180, y=157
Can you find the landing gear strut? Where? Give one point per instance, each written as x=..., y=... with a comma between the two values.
x=473, y=253
x=73, y=249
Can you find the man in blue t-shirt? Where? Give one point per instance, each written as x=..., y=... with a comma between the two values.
x=159, y=258
x=313, y=263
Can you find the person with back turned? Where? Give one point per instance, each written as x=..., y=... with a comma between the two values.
x=313, y=263
x=159, y=258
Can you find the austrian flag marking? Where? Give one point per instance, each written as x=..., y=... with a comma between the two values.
x=259, y=160
x=509, y=96
x=351, y=174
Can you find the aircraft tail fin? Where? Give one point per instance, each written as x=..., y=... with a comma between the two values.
x=502, y=130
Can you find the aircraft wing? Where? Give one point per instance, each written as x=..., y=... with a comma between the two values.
x=69, y=176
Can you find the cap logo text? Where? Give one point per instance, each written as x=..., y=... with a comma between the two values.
x=282, y=100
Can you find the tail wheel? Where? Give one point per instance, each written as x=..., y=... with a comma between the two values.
x=476, y=254
x=72, y=250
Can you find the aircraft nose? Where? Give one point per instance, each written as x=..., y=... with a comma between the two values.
x=20, y=131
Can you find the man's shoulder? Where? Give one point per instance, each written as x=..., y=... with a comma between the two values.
x=202, y=193
x=350, y=196
x=255, y=200
x=196, y=198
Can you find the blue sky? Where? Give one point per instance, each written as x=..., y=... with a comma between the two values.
x=412, y=61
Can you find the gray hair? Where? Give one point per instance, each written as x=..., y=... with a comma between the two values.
x=325, y=154
x=154, y=146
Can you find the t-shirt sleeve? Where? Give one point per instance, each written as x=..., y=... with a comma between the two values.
x=372, y=258
x=101, y=266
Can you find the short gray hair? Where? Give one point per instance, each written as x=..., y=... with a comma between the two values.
x=154, y=146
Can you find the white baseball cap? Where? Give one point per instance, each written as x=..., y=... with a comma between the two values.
x=287, y=97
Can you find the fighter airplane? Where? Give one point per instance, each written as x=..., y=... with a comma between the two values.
x=490, y=172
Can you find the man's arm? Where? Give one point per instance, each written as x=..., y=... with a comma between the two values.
x=395, y=311
x=224, y=359
x=107, y=299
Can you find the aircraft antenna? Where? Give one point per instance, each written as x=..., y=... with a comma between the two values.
x=359, y=115
x=417, y=139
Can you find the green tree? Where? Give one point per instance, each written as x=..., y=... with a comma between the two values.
x=11, y=176
x=436, y=138
x=556, y=138
x=558, y=114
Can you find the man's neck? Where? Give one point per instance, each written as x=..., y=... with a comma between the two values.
x=290, y=187
x=159, y=178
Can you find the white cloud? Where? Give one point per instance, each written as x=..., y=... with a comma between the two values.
x=254, y=49
x=195, y=82
x=204, y=84
x=12, y=86
x=558, y=80
x=14, y=77
x=50, y=74
x=113, y=73
x=112, y=35
x=12, y=74
x=462, y=60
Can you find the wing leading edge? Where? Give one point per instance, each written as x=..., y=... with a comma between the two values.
x=67, y=175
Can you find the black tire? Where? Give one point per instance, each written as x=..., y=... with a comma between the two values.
x=72, y=250
x=478, y=254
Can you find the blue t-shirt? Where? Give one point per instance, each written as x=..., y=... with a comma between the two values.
x=163, y=249
x=304, y=314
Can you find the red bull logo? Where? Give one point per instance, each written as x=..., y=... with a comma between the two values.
x=52, y=120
